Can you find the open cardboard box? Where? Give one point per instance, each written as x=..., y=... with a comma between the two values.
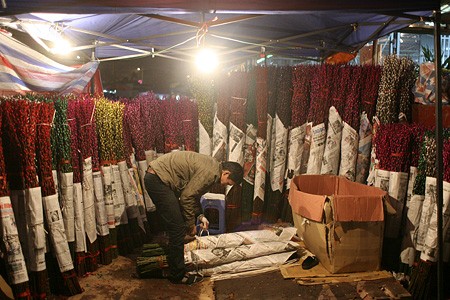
x=340, y=221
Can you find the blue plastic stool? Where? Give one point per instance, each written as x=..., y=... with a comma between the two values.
x=213, y=206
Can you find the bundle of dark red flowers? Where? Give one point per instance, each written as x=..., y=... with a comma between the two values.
x=189, y=123
x=20, y=118
x=172, y=125
x=370, y=85
x=14, y=258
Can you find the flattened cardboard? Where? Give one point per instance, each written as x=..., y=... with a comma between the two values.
x=347, y=239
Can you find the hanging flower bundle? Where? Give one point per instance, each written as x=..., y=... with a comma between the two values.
x=20, y=117
x=221, y=120
x=189, y=123
x=58, y=237
x=261, y=143
x=427, y=163
x=172, y=125
x=149, y=107
x=387, y=107
x=341, y=88
x=14, y=258
x=370, y=85
x=352, y=103
x=136, y=130
x=406, y=83
x=301, y=83
x=417, y=136
x=202, y=90
x=320, y=94
x=393, y=142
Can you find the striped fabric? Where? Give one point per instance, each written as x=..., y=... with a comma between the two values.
x=23, y=69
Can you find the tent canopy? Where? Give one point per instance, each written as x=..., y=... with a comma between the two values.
x=237, y=30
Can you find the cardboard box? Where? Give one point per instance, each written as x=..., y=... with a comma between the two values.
x=340, y=221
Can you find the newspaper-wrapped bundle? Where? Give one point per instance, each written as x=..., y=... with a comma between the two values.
x=80, y=239
x=219, y=256
x=88, y=200
x=107, y=179
x=306, y=149
x=364, y=149
x=220, y=137
x=100, y=209
x=278, y=158
x=148, y=201
x=318, y=136
x=413, y=209
x=398, y=182
x=58, y=236
x=349, y=152
x=250, y=264
x=66, y=184
x=428, y=205
x=120, y=217
x=296, y=137
x=430, y=250
x=332, y=152
x=17, y=272
x=235, y=239
x=204, y=140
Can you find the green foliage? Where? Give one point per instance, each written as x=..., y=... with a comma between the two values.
x=429, y=56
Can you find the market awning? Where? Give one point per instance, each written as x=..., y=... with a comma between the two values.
x=237, y=30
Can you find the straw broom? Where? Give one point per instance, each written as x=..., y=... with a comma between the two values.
x=14, y=258
x=69, y=284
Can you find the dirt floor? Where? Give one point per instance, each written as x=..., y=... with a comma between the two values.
x=119, y=280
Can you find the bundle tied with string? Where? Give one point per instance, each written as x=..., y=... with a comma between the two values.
x=120, y=216
x=136, y=136
x=239, y=87
x=61, y=163
x=131, y=193
x=68, y=281
x=277, y=202
x=189, y=123
x=249, y=150
x=76, y=159
x=106, y=228
x=88, y=149
x=20, y=118
x=10, y=243
x=261, y=144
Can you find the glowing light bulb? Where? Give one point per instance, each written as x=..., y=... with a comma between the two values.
x=61, y=47
x=206, y=60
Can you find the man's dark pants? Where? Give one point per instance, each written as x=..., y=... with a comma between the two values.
x=168, y=207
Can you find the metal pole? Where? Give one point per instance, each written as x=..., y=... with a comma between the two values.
x=439, y=145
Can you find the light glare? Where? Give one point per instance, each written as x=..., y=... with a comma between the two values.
x=206, y=60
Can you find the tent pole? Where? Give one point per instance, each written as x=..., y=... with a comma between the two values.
x=439, y=146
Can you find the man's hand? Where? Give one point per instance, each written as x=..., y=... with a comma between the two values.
x=192, y=230
x=204, y=223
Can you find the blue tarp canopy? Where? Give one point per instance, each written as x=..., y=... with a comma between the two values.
x=237, y=30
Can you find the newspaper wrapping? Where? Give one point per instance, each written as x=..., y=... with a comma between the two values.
x=147, y=200
x=373, y=158
x=57, y=233
x=120, y=216
x=349, y=152
x=236, y=142
x=364, y=149
x=296, y=137
x=17, y=270
x=398, y=182
x=80, y=239
x=18, y=203
x=66, y=184
x=219, y=256
x=136, y=183
x=249, y=154
x=100, y=209
x=88, y=200
x=108, y=195
x=413, y=209
x=430, y=246
x=306, y=149
x=332, y=152
x=220, y=137
x=427, y=210
x=278, y=163
x=36, y=232
x=318, y=136
x=250, y=264
x=128, y=191
x=204, y=140
x=270, y=142
x=150, y=155
x=260, y=172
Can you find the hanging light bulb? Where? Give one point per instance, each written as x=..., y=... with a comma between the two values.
x=61, y=46
x=206, y=60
